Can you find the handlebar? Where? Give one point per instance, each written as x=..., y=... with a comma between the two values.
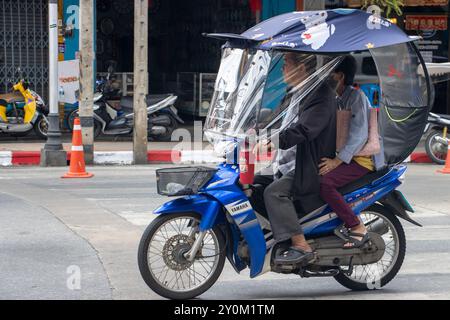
x=11, y=84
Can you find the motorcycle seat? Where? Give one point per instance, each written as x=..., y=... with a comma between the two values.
x=363, y=181
x=126, y=104
x=11, y=97
x=317, y=202
x=117, y=123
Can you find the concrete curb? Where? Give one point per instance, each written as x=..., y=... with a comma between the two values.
x=5, y=158
x=23, y=158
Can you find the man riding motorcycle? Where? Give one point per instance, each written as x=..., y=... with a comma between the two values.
x=310, y=136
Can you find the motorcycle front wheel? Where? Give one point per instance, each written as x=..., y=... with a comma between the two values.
x=41, y=127
x=161, y=256
x=376, y=275
x=436, y=150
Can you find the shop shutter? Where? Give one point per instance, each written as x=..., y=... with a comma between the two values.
x=24, y=43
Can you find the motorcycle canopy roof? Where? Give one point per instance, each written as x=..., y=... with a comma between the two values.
x=292, y=56
x=339, y=30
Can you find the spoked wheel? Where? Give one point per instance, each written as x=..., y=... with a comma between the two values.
x=376, y=275
x=436, y=150
x=162, y=262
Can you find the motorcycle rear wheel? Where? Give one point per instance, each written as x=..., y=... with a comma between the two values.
x=161, y=262
x=369, y=277
x=71, y=118
x=74, y=114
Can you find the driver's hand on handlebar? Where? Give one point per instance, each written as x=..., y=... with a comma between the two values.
x=263, y=146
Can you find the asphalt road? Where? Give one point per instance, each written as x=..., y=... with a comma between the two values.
x=77, y=239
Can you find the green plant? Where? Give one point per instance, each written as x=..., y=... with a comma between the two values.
x=386, y=5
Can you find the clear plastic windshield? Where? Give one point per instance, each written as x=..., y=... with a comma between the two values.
x=238, y=92
x=292, y=79
x=261, y=91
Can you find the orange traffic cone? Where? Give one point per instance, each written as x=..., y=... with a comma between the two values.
x=77, y=165
x=446, y=168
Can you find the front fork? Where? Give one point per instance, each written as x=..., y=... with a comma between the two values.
x=443, y=140
x=190, y=255
x=444, y=134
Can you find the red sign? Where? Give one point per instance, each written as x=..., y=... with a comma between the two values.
x=412, y=3
x=428, y=22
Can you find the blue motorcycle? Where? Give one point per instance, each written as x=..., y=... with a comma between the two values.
x=183, y=251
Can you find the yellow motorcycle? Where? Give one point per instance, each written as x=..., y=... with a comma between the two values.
x=22, y=111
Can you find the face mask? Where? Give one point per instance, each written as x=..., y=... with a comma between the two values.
x=334, y=84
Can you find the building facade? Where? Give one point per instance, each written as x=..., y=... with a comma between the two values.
x=176, y=44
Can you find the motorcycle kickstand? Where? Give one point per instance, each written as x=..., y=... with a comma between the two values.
x=350, y=268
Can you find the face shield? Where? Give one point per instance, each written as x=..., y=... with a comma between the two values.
x=237, y=94
x=292, y=79
x=260, y=92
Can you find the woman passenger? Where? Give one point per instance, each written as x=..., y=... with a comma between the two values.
x=346, y=166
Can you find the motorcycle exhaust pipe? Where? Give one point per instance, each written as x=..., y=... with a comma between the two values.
x=379, y=227
x=157, y=130
x=15, y=128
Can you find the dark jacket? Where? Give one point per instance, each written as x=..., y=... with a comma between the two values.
x=314, y=133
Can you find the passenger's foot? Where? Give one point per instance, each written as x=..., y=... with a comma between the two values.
x=295, y=255
x=357, y=237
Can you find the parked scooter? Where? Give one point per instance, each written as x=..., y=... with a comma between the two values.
x=22, y=111
x=436, y=144
x=163, y=117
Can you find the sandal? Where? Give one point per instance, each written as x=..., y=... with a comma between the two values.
x=349, y=238
x=295, y=256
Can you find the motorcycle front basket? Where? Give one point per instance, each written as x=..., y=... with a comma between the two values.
x=183, y=180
